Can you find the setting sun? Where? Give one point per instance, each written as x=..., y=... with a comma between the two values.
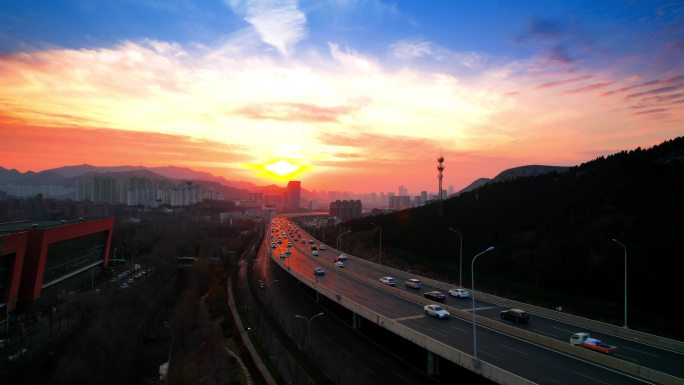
x=282, y=167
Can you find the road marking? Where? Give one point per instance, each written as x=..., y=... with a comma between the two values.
x=459, y=329
x=639, y=351
x=591, y=378
x=547, y=333
x=482, y=308
x=563, y=330
x=368, y=369
x=515, y=350
x=409, y=317
x=346, y=352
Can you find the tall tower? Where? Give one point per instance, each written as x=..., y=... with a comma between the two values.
x=440, y=168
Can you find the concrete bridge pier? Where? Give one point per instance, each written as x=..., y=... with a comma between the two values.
x=356, y=321
x=432, y=364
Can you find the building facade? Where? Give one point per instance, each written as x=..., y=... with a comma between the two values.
x=345, y=209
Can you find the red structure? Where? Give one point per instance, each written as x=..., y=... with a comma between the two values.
x=50, y=252
x=12, y=250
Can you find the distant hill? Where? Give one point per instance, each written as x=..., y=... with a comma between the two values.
x=553, y=236
x=513, y=173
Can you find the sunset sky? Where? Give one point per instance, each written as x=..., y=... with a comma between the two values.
x=357, y=95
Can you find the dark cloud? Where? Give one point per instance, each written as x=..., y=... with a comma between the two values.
x=652, y=111
x=566, y=81
x=589, y=87
x=624, y=89
x=560, y=41
x=655, y=91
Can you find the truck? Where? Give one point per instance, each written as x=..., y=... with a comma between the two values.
x=584, y=340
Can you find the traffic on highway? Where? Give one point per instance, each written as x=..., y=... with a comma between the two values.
x=526, y=359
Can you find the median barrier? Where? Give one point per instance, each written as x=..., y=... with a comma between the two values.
x=629, y=334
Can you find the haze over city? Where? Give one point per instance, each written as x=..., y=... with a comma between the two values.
x=353, y=95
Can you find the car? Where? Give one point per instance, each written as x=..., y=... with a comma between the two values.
x=436, y=311
x=413, y=283
x=342, y=257
x=315, y=253
x=280, y=241
x=283, y=255
x=3, y=343
x=321, y=247
x=458, y=292
x=389, y=281
x=273, y=246
x=16, y=355
x=435, y=296
x=319, y=271
x=515, y=315
x=288, y=251
x=303, y=241
x=339, y=264
x=314, y=248
x=311, y=241
x=289, y=244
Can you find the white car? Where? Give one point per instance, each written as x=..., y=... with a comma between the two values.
x=321, y=247
x=413, y=283
x=436, y=311
x=315, y=253
x=283, y=255
x=342, y=257
x=273, y=246
x=460, y=293
x=389, y=281
x=339, y=264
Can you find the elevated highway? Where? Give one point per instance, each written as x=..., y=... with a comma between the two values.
x=537, y=352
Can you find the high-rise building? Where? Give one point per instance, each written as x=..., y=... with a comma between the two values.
x=294, y=194
x=424, y=196
x=451, y=189
x=345, y=209
x=403, y=190
x=400, y=202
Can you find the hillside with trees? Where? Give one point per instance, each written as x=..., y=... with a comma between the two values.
x=553, y=237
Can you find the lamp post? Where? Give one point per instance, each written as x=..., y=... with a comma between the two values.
x=339, y=239
x=625, y=248
x=380, y=248
x=308, y=326
x=460, y=256
x=472, y=272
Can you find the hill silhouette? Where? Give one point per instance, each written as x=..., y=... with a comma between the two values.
x=553, y=236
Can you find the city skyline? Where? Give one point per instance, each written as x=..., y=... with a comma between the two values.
x=343, y=95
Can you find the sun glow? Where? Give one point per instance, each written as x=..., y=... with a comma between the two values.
x=282, y=167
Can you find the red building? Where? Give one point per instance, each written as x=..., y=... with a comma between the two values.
x=12, y=252
x=51, y=252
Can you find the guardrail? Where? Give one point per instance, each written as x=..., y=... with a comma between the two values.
x=630, y=334
x=485, y=369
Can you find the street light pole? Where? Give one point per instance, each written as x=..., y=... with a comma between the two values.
x=472, y=272
x=380, y=248
x=308, y=326
x=339, y=239
x=624, y=247
x=460, y=257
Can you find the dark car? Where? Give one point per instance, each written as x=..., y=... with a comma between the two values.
x=314, y=248
x=435, y=296
x=515, y=315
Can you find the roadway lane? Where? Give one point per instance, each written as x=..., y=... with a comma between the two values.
x=527, y=360
x=653, y=357
x=339, y=351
